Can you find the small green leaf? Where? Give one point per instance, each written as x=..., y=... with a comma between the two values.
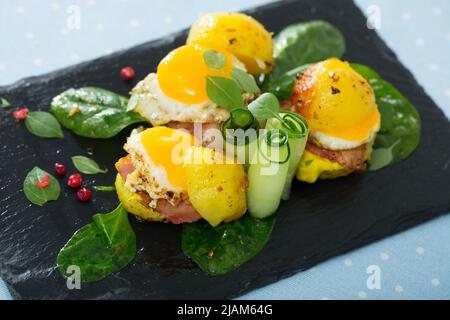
x=265, y=107
x=44, y=125
x=37, y=195
x=214, y=59
x=133, y=102
x=224, y=92
x=4, y=103
x=245, y=81
x=101, y=248
x=382, y=157
x=86, y=165
x=105, y=188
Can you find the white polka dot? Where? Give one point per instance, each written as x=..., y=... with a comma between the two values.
x=168, y=19
x=384, y=256
x=348, y=262
x=38, y=62
x=437, y=11
x=29, y=35
x=406, y=16
x=435, y=282
x=55, y=6
x=20, y=9
x=434, y=67
x=420, y=41
x=420, y=250
x=3, y=67
x=447, y=92
x=100, y=27
x=362, y=295
x=135, y=23
x=399, y=289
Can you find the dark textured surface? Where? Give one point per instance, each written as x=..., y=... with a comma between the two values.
x=319, y=222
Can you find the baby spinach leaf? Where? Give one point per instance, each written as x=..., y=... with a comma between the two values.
x=298, y=45
x=37, y=195
x=214, y=59
x=265, y=107
x=400, y=122
x=93, y=112
x=224, y=92
x=382, y=157
x=101, y=248
x=220, y=250
x=245, y=81
x=4, y=103
x=86, y=165
x=44, y=125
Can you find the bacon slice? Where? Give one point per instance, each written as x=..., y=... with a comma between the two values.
x=125, y=167
x=184, y=212
x=353, y=159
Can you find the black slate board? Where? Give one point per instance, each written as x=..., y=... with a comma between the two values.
x=319, y=222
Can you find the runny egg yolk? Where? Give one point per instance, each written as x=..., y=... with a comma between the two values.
x=182, y=73
x=337, y=101
x=166, y=148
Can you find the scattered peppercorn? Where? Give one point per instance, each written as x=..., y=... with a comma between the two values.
x=84, y=195
x=44, y=182
x=60, y=169
x=75, y=180
x=127, y=73
x=21, y=114
x=335, y=90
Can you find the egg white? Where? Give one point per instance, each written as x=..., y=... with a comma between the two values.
x=334, y=143
x=151, y=103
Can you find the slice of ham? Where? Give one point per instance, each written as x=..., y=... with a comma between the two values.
x=184, y=212
x=125, y=167
x=353, y=159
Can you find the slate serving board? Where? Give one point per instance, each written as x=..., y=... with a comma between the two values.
x=319, y=222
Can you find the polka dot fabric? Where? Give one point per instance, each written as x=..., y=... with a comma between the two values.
x=411, y=265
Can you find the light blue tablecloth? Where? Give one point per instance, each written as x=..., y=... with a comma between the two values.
x=35, y=39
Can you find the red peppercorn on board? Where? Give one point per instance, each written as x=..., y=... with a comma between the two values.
x=320, y=221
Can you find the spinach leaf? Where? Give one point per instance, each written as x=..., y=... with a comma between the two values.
x=38, y=195
x=93, y=112
x=298, y=45
x=44, y=125
x=224, y=92
x=245, y=81
x=220, y=250
x=101, y=248
x=86, y=165
x=265, y=107
x=400, y=121
x=214, y=59
x=4, y=103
